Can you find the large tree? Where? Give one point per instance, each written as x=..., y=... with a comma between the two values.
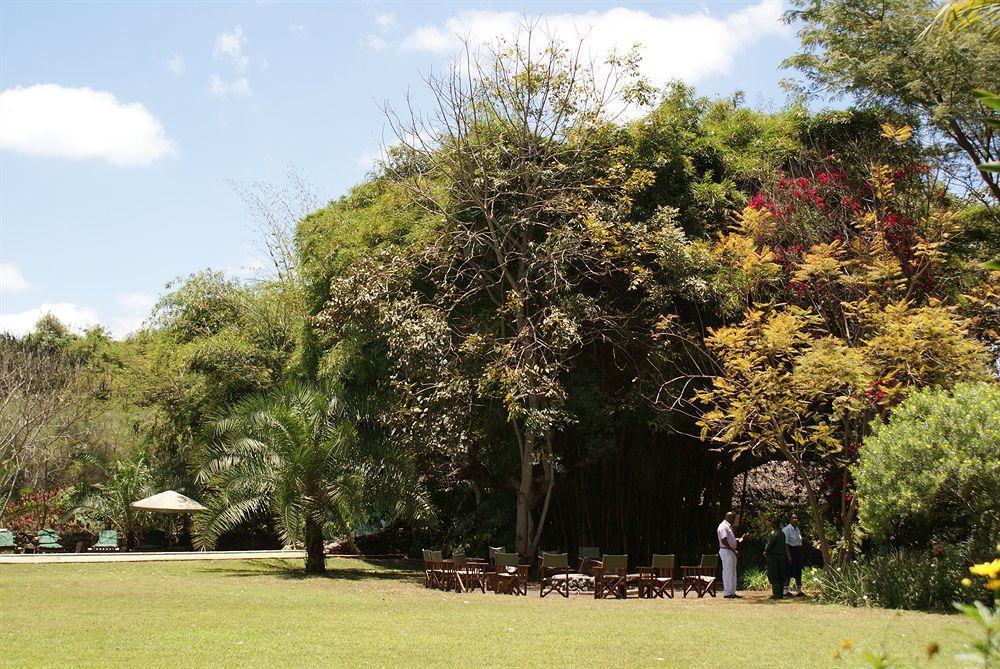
x=535, y=258
x=848, y=278
x=876, y=52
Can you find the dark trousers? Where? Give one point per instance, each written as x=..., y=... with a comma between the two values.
x=794, y=570
x=776, y=573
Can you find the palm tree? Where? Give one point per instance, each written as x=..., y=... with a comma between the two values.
x=298, y=454
x=125, y=480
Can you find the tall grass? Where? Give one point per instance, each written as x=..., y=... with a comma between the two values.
x=898, y=578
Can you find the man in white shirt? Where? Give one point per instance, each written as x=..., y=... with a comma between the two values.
x=793, y=554
x=729, y=550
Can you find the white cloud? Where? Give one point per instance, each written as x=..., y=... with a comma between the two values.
x=176, y=64
x=123, y=326
x=386, y=20
x=368, y=159
x=221, y=89
x=136, y=301
x=11, y=279
x=298, y=29
x=691, y=46
x=373, y=41
x=75, y=317
x=52, y=120
x=230, y=46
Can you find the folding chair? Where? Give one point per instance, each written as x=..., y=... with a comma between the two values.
x=588, y=555
x=657, y=580
x=611, y=577
x=701, y=578
x=512, y=577
x=554, y=575
x=434, y=574
x=474, y=575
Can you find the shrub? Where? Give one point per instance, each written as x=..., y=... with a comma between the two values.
x=755, y=578
x=904, y=578
x=934, y=468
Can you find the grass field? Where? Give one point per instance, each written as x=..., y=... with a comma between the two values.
x=256, y=614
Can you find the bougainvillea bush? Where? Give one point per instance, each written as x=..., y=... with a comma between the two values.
x=39, y=509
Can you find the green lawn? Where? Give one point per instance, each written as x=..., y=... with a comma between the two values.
x=222, y=614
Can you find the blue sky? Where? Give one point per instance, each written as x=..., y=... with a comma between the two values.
x=122, y=125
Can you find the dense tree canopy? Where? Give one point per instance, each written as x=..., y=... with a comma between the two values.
x=542, y=325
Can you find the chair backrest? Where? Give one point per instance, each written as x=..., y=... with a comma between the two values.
x=665, y=563
x=6, y=539
x=555, y=560
x=493, y=552
x=426, y=553
x=47, y=536
x=108, y=537
x=710, y=560
x=615, y=562
x=435, y=556
x=458, y=557
x=506, y=560
x=590, y=552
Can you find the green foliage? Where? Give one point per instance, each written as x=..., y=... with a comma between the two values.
x=926, y=579
x=874, y=51
x=985, y=651
x=297, y=455
x=50, y=335
x=124, y=481
x=934, y=468
x=754, y=578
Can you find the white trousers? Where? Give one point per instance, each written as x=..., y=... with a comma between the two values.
x=728, y=571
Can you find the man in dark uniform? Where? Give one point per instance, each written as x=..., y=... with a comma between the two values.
x=774, y=552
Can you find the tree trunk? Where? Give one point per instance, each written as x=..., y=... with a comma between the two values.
x=814, y=509
x=315, y=560
x=525, y=494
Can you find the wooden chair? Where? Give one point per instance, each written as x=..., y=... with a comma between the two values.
x=474, y=575
x=512, y=577
x=657, y=580
x=554, y=575
x=703, y=577
x=611, y=577
x=434, y=576
x=588, y=556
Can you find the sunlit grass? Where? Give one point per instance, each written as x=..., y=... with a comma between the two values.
x=268, y=614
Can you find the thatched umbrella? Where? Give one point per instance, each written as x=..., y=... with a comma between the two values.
x=169, y=501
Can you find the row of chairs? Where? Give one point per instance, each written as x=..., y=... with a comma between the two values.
x=502, y=574
x=609, y=577
x=606, y=576
x=47, y=541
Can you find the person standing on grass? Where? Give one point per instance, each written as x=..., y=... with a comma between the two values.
x=729, y=550
x=774, y=553
x=793, y=555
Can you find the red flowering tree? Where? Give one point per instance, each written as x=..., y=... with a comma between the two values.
x=846, y=313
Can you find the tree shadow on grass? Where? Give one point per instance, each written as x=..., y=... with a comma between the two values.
x=381, y=570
